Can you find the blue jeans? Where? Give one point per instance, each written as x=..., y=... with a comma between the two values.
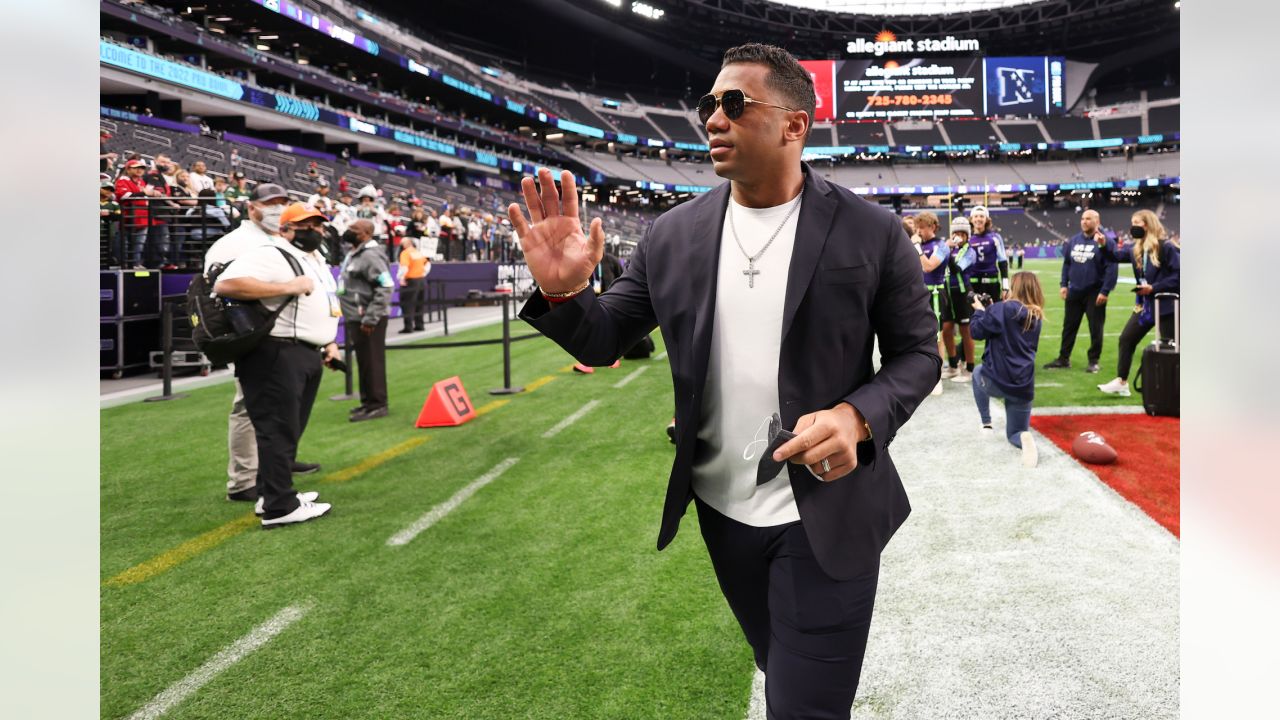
x=1017, y=412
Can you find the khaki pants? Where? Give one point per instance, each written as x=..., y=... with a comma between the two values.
x=242, y=447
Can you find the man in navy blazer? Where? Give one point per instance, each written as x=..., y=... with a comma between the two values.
x=799, y=569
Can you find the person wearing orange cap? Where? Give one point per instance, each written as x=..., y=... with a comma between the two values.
x=281, y=375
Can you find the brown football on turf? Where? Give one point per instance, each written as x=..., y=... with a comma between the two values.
x=1092, y=448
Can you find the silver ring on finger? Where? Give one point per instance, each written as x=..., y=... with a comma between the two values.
x=826, y=466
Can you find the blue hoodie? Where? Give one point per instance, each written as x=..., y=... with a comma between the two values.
x=1009, y=359
x=1086, y=267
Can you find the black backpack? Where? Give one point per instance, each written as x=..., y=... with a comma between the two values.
x=225, y=329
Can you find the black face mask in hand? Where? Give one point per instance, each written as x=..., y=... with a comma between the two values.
x=307, y=240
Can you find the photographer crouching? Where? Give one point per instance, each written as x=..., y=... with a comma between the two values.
x=1008, y=370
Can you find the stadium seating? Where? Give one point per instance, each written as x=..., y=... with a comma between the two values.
x=861, y=134
x=1120, y=127
x=1025, y=133
x=930, y=136
x=1066, y=127
x=970, y=132
x=633, y=125
x=679, y=128
x=1164, y=119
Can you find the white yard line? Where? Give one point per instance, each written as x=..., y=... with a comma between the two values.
x=228, y=656
x=661, y=356
x=434, y=515
x=575, y=417
x=756, y=706
x=1101, y=410
x=635, y=374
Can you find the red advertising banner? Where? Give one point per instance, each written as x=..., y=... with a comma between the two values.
x=823, y=72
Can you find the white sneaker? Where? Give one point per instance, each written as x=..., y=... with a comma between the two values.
x=309, y=496
x=962, y=377
x=304, y=512
x=1116, y=387
x=937, y=389
x=1029, y=455
x=949, y=372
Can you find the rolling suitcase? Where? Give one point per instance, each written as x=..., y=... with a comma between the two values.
x=1157, y=377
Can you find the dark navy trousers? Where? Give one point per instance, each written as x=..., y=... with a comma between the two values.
x=808, y=631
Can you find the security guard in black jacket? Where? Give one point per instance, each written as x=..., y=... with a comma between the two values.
x=364, y=289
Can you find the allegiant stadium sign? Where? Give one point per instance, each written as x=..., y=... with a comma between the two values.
x=887, y=42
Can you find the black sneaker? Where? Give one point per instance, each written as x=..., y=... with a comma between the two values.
x=370, y=414
x=301, y=468
x=671, y=431
x=357, y=410
x=1057, y=364
x=247, y=495
x=1092, y=369
x=405, y=331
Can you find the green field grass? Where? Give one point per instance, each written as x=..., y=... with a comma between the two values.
x=1075, y=387
x=542, y=596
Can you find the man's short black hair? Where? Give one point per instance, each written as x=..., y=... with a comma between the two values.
x=786, y=75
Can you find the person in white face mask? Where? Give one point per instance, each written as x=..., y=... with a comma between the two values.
x=266, y=205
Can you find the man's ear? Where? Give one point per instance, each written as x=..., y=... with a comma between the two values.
x=798, y=125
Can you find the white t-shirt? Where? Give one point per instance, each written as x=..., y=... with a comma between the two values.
x=236, y=243
x=314, y=318
x=200, y=181
x=742, y=371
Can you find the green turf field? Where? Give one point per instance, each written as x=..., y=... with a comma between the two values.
x=1055, y=388
x=541, y=596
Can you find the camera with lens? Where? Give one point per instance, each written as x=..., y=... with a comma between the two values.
x=983, y=298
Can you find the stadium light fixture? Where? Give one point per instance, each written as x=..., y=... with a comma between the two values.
x=260, y=46
x=268, y=37
x=646, y=10
x=615, y=3
x=224, y=18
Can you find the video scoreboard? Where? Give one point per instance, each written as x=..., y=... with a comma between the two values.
x=887, y=89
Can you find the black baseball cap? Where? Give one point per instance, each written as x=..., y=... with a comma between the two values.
x=268, y=191
x=239, y=175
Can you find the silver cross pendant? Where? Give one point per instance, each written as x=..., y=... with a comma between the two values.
x=751, y=272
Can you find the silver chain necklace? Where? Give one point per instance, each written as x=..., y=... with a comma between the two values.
x=751, y=270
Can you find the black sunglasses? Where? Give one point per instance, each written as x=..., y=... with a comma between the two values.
x=734, y=103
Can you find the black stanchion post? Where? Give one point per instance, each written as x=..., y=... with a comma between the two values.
x=349, y=393
x=444, y=310
x=506, y=388
x=166, y=345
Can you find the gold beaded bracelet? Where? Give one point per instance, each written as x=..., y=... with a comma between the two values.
x=564, y=295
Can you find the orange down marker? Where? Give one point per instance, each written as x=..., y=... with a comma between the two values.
x=447, y=405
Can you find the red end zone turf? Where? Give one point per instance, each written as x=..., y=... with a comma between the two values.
x=1146, y=472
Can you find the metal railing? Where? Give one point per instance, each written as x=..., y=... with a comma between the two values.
x=166, y=232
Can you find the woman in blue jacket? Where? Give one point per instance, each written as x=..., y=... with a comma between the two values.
x=1156, y=262
x=1008, y=370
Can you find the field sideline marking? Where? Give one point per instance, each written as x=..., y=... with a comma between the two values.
x=1098, y=410
x=660, y=356
x=404, y=537
x=374, y=461
x=576, y=416
x=539, y=383
x=211, y=539
x=182, y=553
x=634, y=374
x=491, y=406
x=756, y=705
x=228, y=656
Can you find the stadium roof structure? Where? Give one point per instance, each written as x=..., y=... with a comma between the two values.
x=899, y=8
x=598, y=43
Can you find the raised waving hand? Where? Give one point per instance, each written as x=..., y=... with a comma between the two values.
x=560, y=257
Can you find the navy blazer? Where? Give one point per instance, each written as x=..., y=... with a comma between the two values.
x=854, y=276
